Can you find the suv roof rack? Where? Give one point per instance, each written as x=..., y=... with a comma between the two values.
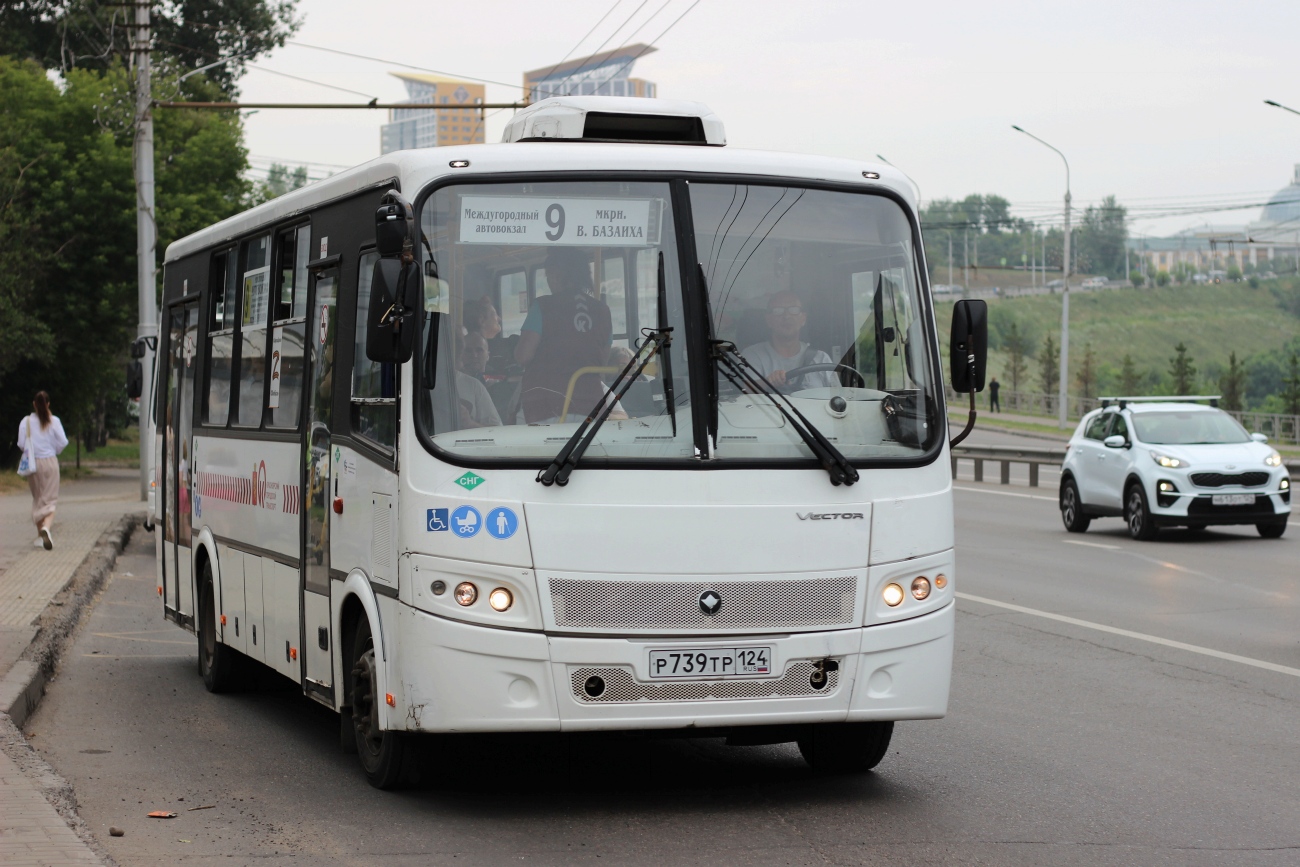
x=1161, y=398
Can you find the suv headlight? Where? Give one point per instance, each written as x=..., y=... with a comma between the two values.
x=1167, y=461
x=1273, y=460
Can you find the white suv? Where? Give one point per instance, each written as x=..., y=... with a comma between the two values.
x=1172, y=465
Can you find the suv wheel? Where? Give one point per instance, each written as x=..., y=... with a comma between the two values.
x=1271, y=529
x=1072, y=508
x=1141, y=525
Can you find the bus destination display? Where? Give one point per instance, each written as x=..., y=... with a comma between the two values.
x=541, y=221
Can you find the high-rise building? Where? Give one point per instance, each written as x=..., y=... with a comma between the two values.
x=427, y=128
x=604, y=74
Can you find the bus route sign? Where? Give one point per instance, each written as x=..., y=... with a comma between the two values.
x=547, y=222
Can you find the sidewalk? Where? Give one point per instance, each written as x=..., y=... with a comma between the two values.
x=32, y=830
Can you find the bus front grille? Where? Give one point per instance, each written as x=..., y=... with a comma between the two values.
x=823, y=602
x=620, y=686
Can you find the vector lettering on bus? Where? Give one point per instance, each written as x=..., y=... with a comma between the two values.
x=830, y=516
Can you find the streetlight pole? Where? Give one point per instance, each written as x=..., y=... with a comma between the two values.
x=1065, y=291
x=1281, y=106
x=146, y=231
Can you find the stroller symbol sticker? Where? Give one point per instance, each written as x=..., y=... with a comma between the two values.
x=466, y=521
x=502, y=523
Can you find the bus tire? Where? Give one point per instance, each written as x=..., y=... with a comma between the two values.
x=845, y=748
x=218, y=664
x=381, y=752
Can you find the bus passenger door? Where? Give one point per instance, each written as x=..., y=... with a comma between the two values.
x=178, y=460
x=316, y=492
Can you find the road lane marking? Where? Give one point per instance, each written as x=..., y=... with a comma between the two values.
x=1003, y=493
x=1140, y=636
x=1092, y=544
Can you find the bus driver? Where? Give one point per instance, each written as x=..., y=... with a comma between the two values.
x=783, y=350
x=564, y=331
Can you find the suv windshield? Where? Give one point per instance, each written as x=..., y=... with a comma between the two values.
x=535, y=296
x=1191, y=427
x=818, y=291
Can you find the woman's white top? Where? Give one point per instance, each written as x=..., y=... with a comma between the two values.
x=46, y=443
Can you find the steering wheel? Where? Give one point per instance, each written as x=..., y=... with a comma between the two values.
x=797, y=372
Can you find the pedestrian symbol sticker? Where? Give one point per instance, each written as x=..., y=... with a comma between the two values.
x=437, y=521
x=469, y=481
x=466, y=521
x=502, y=523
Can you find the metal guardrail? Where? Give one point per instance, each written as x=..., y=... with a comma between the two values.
x=1005, y=456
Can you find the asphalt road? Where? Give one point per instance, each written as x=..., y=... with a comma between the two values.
x=1065, y=743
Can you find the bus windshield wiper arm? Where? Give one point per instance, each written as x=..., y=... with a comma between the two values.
x=742, y=374
x=557, y=472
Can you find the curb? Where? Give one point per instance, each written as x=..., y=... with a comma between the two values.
x=23, y=685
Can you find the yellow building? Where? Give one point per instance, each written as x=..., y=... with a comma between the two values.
x=462, y=123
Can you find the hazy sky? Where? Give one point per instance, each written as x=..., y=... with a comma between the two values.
x=1157, y=102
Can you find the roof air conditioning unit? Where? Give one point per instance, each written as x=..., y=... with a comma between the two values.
x=617, y=119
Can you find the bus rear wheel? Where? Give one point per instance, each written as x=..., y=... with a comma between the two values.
x=381, y=752
x=218, y=664
x=845, y=748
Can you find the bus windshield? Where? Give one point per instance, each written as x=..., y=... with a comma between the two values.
x=536, y=297
x=818, y=292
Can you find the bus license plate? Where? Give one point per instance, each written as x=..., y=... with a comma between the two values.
x=1234, y=499
x=711, y=662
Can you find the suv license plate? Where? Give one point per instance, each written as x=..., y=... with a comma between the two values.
x=711, y=662
x=1234, y=499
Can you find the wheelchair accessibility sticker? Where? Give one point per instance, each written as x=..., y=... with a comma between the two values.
x=466, y=521
x=437, y=521
x=502, y=523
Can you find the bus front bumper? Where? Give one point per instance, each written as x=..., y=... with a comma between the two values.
x=457, y=677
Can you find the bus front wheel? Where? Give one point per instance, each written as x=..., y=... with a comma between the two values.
x=217, y=662
x=380, y=751
x=845, y=748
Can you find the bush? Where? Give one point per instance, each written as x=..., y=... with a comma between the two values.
x=1233, y=273
x=1162, y=278
x=1136, y=278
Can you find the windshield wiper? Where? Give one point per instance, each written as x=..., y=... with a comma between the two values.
x=742, y=374
x=557, y=472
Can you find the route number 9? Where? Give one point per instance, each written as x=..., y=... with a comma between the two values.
x=555, y=219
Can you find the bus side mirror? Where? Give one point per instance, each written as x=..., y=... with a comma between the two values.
x=391, y=316
x=968, y=345
x=134, y=379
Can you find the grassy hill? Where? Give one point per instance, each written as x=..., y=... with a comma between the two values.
x=1257, y=323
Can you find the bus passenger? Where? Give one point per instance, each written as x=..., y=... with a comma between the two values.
x=476, y=406
x=563, y=332
x=783, y=350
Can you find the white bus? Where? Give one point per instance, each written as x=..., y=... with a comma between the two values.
x=604, y=427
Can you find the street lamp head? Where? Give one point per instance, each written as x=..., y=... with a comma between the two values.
x=1016, y=128
x=1272, y=103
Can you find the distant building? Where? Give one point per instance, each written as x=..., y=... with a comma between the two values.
x=604, y=74
x=428, y=128
x=1275, y=234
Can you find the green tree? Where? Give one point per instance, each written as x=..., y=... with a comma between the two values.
x=1291, y=385
x=1130, y=382
x=1233, y=273
x=1136, y=278
x=1232, y=384
x=1048, y=366
x=90, y=34
x=1182, y=372
x=1019, y=348
x=280, y=180
x=1162, y=278
x=1087, y=375
x=1101, y=238
x=75, y=200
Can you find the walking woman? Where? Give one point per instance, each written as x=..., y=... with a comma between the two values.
x=43, y=434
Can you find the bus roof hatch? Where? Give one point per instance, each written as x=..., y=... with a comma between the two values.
x=617, y=119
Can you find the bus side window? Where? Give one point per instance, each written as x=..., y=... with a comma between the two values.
x=254, y=312
x=374, y=385
x=221, y=337
x=289, y=328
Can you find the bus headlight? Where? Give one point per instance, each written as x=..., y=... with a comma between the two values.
x=920, y=588
x=466, y=593
x=893, y=595
x=500, y=599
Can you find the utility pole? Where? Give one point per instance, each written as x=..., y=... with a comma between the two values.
x=965, y=260
x=1065, y=289
x=146, y=232
x=949, y=257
